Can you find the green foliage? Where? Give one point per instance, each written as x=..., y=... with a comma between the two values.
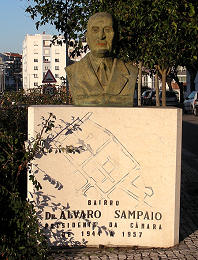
x=36, y=97
x=159, y=33
x=68, y=17
x=20, y=236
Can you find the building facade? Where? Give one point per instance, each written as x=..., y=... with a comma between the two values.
x=39, y=56
x=10, y=71
x=77, y=57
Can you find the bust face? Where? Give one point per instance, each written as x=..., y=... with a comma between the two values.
x=100, y=36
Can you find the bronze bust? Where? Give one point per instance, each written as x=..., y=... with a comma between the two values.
x=98, y=79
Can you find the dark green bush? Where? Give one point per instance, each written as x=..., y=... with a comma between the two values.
x=20, y=236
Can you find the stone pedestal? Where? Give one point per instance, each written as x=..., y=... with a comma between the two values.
x=122, y=185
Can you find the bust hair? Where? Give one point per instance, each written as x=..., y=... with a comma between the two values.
x=95, y=16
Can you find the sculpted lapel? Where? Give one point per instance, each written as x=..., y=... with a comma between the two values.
x=119, y=78
x=117, y=81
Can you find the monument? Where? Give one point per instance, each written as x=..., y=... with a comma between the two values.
x=98, y=78
x=121, y=184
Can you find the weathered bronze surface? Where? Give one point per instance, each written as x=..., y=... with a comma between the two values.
x=98, y=79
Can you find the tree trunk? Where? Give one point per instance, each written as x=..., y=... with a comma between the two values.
x=139, y=83
x=193, y=72
x=163, y=73
x=181, y=88
x=67, y=63
x=192, y=81
x=157, y=89
x=169, y=80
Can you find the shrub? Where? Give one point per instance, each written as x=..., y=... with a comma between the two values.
x=20, y=236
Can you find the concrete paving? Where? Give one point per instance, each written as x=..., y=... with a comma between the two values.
x=186, y=249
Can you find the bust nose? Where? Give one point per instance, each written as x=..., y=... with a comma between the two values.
x=101, y=34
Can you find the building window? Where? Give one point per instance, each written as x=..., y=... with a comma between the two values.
x=35, y=67
x=35, y=60
x=46, y=59
x=57, y=60
x=145, y=81
x=46, y=51
x=35, y=84
x=57, y=51
x=35, y=75
x=35, y=44
x=46, y=43
x=46, y=68
x=35, y=51
x=56, y=75
x=182, y=79
x=56, y=67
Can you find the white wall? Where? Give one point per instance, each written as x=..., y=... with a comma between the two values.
x=33, y=48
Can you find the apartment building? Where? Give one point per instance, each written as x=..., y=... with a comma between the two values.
x=80, y=55
x=10, y=71
x=39, y=56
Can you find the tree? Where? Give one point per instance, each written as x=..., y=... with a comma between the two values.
x=68, y=16
x=139, y=83
x=21, y=235
x=189, y=39
x=160, y=34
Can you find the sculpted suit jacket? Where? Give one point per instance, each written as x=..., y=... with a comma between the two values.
x=86, y=89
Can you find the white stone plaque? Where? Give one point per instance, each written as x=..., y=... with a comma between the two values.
x=122, y=189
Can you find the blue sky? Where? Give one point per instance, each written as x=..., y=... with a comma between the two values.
x=15, y=24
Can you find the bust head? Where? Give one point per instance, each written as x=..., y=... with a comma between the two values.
x=100, y=34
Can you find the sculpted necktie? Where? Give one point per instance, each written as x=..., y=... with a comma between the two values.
x=102, y=73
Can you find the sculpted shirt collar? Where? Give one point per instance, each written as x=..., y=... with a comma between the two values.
x=95, y=61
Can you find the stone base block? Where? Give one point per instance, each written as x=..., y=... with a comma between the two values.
x=122, y=185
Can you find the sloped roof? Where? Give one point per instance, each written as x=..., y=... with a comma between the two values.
x=13, y=54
